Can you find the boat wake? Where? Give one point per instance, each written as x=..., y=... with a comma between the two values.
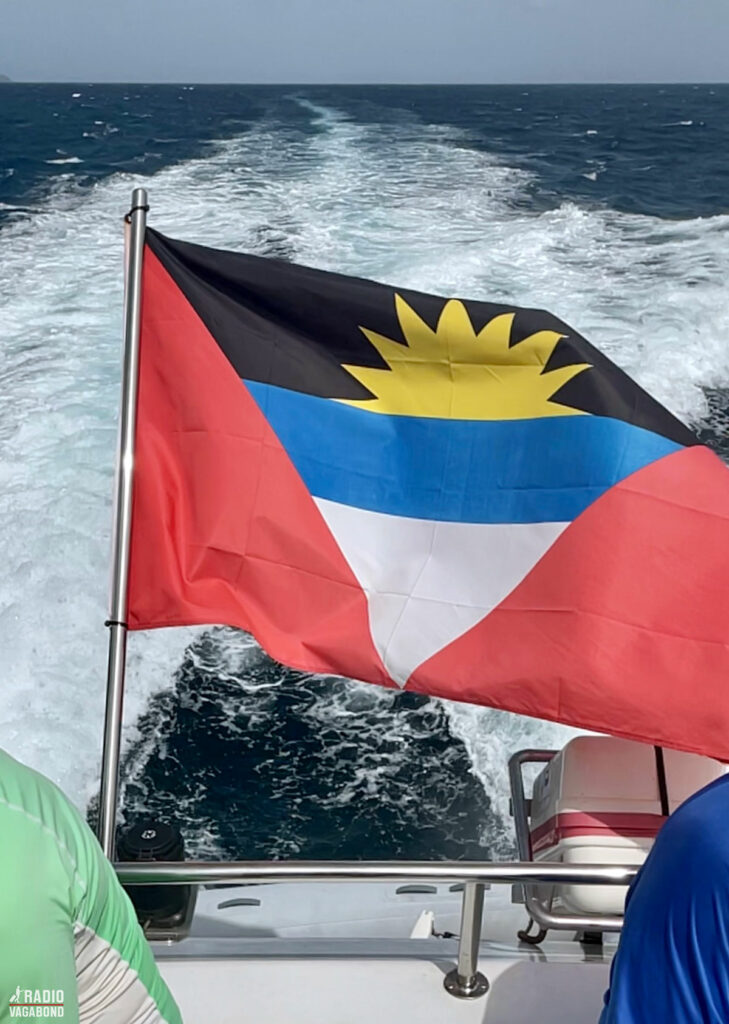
x=309, y=766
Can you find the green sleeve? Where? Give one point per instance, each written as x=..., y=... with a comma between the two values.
x=111, y=933
x=36, y=942
x=65, y=921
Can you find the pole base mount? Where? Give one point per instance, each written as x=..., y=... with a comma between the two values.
x=465, y=988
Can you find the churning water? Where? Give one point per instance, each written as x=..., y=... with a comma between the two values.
x=606, y=205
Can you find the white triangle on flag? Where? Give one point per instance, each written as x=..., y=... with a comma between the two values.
x=428, y=582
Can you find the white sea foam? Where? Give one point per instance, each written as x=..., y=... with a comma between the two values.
x=411, y=205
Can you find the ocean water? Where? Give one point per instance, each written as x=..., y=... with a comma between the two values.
x=607, y=205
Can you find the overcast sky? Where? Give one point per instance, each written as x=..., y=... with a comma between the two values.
x=365, y=40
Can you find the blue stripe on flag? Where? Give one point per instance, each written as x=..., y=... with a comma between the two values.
x=470, y=471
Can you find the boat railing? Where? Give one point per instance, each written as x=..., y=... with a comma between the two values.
x=465, y=980
x=539, y=912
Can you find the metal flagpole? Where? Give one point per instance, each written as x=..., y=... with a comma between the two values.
x=122, y=526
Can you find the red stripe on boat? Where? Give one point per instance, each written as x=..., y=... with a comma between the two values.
x=576, y=824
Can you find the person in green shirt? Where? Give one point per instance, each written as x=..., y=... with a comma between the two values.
x=70, y=944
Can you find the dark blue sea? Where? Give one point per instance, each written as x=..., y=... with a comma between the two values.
x=607, y=205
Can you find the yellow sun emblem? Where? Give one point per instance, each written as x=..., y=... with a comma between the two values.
x=454, y=373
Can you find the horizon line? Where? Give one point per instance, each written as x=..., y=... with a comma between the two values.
x=357, y=84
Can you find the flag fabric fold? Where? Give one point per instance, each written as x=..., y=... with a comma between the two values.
x=459, y=498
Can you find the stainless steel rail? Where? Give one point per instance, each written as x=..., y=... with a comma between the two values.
x=246, y=872
x=465, y=981
x=541, y=914
x=122, y=530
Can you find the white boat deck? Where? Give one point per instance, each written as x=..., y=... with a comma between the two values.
x=341, y=954
x=362, y=991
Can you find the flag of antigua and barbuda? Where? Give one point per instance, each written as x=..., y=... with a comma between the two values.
x=464, y=499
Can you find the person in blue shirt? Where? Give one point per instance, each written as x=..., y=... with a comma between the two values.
x=672, y=962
